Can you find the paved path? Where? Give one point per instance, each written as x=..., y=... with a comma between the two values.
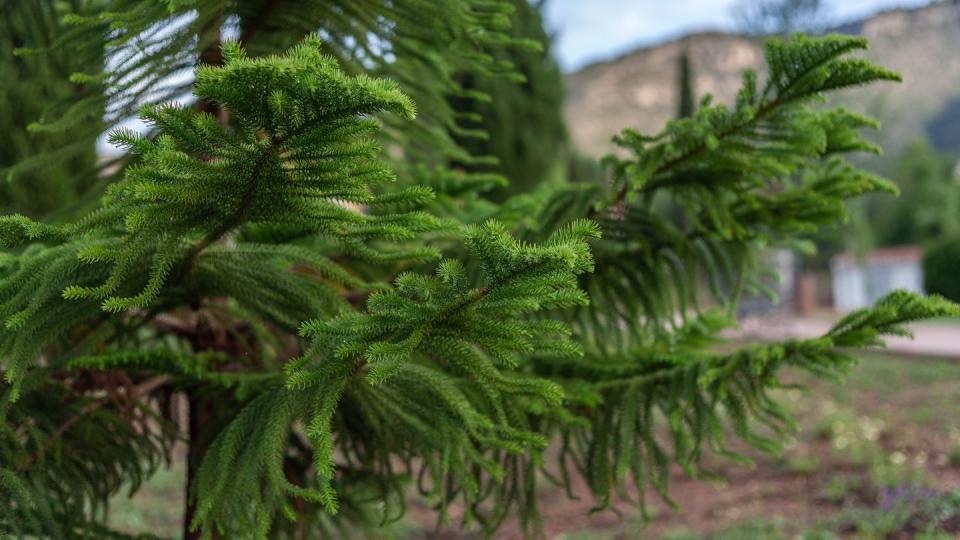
x=931, y=339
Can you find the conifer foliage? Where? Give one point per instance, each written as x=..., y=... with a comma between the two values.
x=522, y=119
x=43, y=171
x=343, y=339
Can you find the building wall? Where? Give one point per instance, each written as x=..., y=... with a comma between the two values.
x=887, y=277
x=860, y=285
x=849, y=287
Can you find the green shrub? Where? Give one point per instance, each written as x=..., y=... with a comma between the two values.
x=941, y=262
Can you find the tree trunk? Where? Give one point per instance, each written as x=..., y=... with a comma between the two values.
x=198, y=419
x=206, y=419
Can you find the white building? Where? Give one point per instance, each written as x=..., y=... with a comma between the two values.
x=859, y=283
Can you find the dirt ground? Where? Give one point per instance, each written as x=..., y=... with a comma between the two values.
x=876, y=457
x=869, y=453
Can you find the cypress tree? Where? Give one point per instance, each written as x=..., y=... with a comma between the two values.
x=686, y=106
x=288, y=252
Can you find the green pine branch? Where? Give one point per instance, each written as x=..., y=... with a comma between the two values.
x=445, y=352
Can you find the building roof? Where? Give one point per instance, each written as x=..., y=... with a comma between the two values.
x=886, y=255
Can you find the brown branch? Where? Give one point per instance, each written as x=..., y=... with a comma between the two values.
x=258, y=21
x=241, y=211
x=146, y=387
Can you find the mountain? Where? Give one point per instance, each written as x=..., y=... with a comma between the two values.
x=639, y=89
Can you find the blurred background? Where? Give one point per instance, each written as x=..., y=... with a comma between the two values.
x=875, y=456
x=626, y=70
x=876, y=452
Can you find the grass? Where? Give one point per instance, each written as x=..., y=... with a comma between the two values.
x=767, y=530
x=157, y=508
x=842, y=488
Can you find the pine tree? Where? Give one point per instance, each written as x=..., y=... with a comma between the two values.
x=288, y=253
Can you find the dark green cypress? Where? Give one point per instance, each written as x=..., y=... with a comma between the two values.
x=686, y=100
x=940, y=262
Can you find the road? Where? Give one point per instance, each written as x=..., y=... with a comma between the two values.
x=930, y=339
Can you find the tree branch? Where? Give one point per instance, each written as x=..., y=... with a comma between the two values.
x=144, y=388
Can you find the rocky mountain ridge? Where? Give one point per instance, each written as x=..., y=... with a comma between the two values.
x=639, y=89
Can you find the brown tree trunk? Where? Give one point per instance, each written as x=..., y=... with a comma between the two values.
x=198, y=420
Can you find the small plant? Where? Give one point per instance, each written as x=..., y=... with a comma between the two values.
x=909, y=510
x=843, y=487
x=803, y=464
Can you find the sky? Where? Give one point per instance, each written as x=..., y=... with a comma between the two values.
x=591, y=30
